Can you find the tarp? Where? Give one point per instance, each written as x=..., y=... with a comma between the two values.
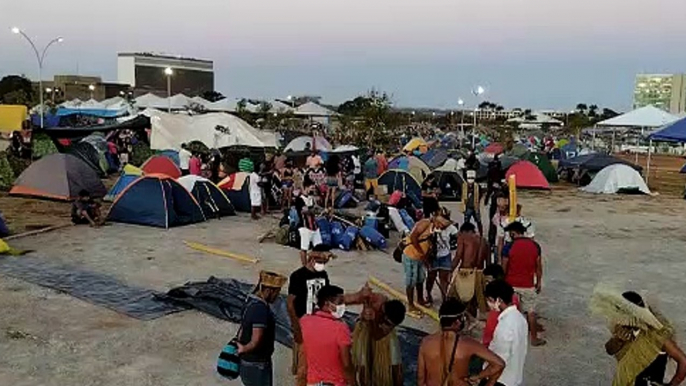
x=314, y=110
x=435, y=157
x=415, y=166
x=528, y=176
x=647, y=116
x=543, y=163
x=224, y=105
x=594, y=162
x=236, y=188
x=151, y=101
x=156, y=200
x=674, y=132
x=396, y=179
x=136, y=123
x=278, y=107
x=11, y=117
x=212, y=200
x=215, y=130
x=617, y=178
x=159, y=164
x=305, y=143
x=58, y=177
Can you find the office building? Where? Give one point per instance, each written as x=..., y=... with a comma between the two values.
x=145, y=72
x=69, y=87
x=664, y=91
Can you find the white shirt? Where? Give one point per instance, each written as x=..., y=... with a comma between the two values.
x=184, y=159
x=255, y=190
x=511, y=342
x=443, y=241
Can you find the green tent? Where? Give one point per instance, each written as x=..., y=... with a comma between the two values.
x=543, y=163
x=519, y=151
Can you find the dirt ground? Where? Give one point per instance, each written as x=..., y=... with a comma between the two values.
x=50, y=338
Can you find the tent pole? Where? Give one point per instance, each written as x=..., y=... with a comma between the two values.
x=593, y=143
x=612, y=146
x=650, y=150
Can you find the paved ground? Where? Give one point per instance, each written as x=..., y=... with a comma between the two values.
x=50, y=338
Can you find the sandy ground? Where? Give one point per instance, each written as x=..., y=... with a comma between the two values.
x=50, y=338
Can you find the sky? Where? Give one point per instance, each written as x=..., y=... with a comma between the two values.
x=425, y=53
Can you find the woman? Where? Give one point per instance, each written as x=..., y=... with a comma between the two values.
x=333, y=176
x=286, y=174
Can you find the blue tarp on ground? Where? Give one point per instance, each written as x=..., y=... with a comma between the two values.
x=674, y=132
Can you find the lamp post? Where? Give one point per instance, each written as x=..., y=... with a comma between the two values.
x=477, y=92
x=169, y=72
x=460, y=103
x=292, y=100
x=40, y=56
x=51, y=92
x=91, y=88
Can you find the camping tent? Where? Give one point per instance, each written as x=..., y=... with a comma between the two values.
x=305, y=143
x=594, y=162
x=449, y=182
x=122, y=183
x=416, y=144
x=435, y=157
x=156, y=200
x=171, y=154
x=58, y=177
x=396, y=179
x=236, y=187
x=518, y=151
x=617, y=178
x=415, y=166
x=527, y=176
x=212, y=200
x=215, y=130
x=543, y=163
x=159, y=164
x=494, y=148
x=674, y=132
x=91, y=156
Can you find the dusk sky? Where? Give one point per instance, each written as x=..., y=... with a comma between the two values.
x=526, y=53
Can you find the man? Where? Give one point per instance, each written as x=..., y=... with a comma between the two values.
x=441, y=266
x=85, y=211
x=303, y=286
x=376, y=349
x=255, y=191
x=500, y=216
x=280, y=161
x=382, y=163
x=309, y=231
x=371, y=175
x=314, y=160
x=492, y=273
x=417, y=254
x=444, y=356
x=327, y=341
x=504, y=239
x=523, y=267
x=642, y=340
x=510, y=338
x=258, y=331
x=471, y=198
x=184, y=159
x=470, y=260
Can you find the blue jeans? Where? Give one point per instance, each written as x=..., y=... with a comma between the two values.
x=256, y=373
x=442, y=263
x=472, y=214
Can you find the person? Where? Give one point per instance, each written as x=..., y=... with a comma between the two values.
x=371, y=175
x=327, y=341
x=303, y=286
x=347, y=172
x=523, y=266
x=316, y=176
x=430, y=196
x=417, y=254
x=500, y=216
x=470, y=260
x=642, y=339
x=492, y=273
x=308, y=230
x=510, y=340
x=112, y=156
x=382, y=163
x=376, y=350
x=471, y=163
x=280, y=161
x=357, y=170
x=195, y=165
x=84, y=210
x=471, y=199
x=265, y=186
x=314, y=160
x=184, y=159
x=255, y=192
x=215, y=166
x=333, y=180
x=441, y=266
x=258, y=331
x=503, y=237
x=246, y=165
x=286, y=174
x=444, y=356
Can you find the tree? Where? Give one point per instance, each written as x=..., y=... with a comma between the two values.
x=213, y=96
x=264, y=107
x=581, y=107
x=302, y=99
x=17, y=89
x=484, y=105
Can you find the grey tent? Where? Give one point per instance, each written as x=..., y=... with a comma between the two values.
x=58, y=177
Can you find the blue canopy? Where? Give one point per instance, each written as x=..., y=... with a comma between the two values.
x=100, y=113
x=674, y=132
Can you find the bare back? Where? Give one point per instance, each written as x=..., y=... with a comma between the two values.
x=470, y=250
x=436, y=361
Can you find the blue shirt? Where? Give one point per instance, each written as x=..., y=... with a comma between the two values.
x=371, y=168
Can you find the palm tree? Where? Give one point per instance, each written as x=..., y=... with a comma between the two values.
x=581, y=107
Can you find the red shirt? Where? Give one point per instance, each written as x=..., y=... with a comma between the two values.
x=195, y=166
x=492, y=322
x=521, y=263
x=323, y=338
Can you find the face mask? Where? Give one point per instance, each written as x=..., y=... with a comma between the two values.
x=340, y=311
x=319, y=267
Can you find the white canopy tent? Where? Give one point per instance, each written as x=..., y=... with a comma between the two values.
x=305, y=143
x=201, y=101
x=113, y=101
x=179, y=102
x=279, y=107
x=151, y=101
x=169, y=131
x=225, y=105
x=644, y=117
x=312, y=109
x=540, y=119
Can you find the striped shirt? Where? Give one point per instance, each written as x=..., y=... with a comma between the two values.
x=246, y=165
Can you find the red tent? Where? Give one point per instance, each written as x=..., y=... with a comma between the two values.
x=494, y=148
x=528, y=176
x=159, y=164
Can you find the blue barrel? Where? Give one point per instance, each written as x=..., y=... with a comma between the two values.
x=348, y=238
x=373, y=237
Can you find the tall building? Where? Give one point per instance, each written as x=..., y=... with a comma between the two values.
x=69, y=87
x=145, y=72
x=664, y=91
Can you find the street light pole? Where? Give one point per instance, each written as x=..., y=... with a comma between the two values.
x=460, y=103
x=91, y=88
x=40, y=57
x=169, y=72
x=477, y=92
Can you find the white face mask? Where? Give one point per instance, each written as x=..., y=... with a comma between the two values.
x=319, y=267
x=340, y=311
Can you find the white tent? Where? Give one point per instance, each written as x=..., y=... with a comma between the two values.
x=615, y=179
x=169, y=131
x=539, y=120
x=345, y=149
x=305, y=143
x=279, y=107
x=312, y=109
x=113, y=101
x=647, y=116
x=151, y=101
x=225, y=105
x=179, y=102
x=72, y=104
x=201, y=101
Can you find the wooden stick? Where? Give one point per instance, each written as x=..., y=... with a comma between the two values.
x=219, y=252
x=38, y=231
x=398, y=295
